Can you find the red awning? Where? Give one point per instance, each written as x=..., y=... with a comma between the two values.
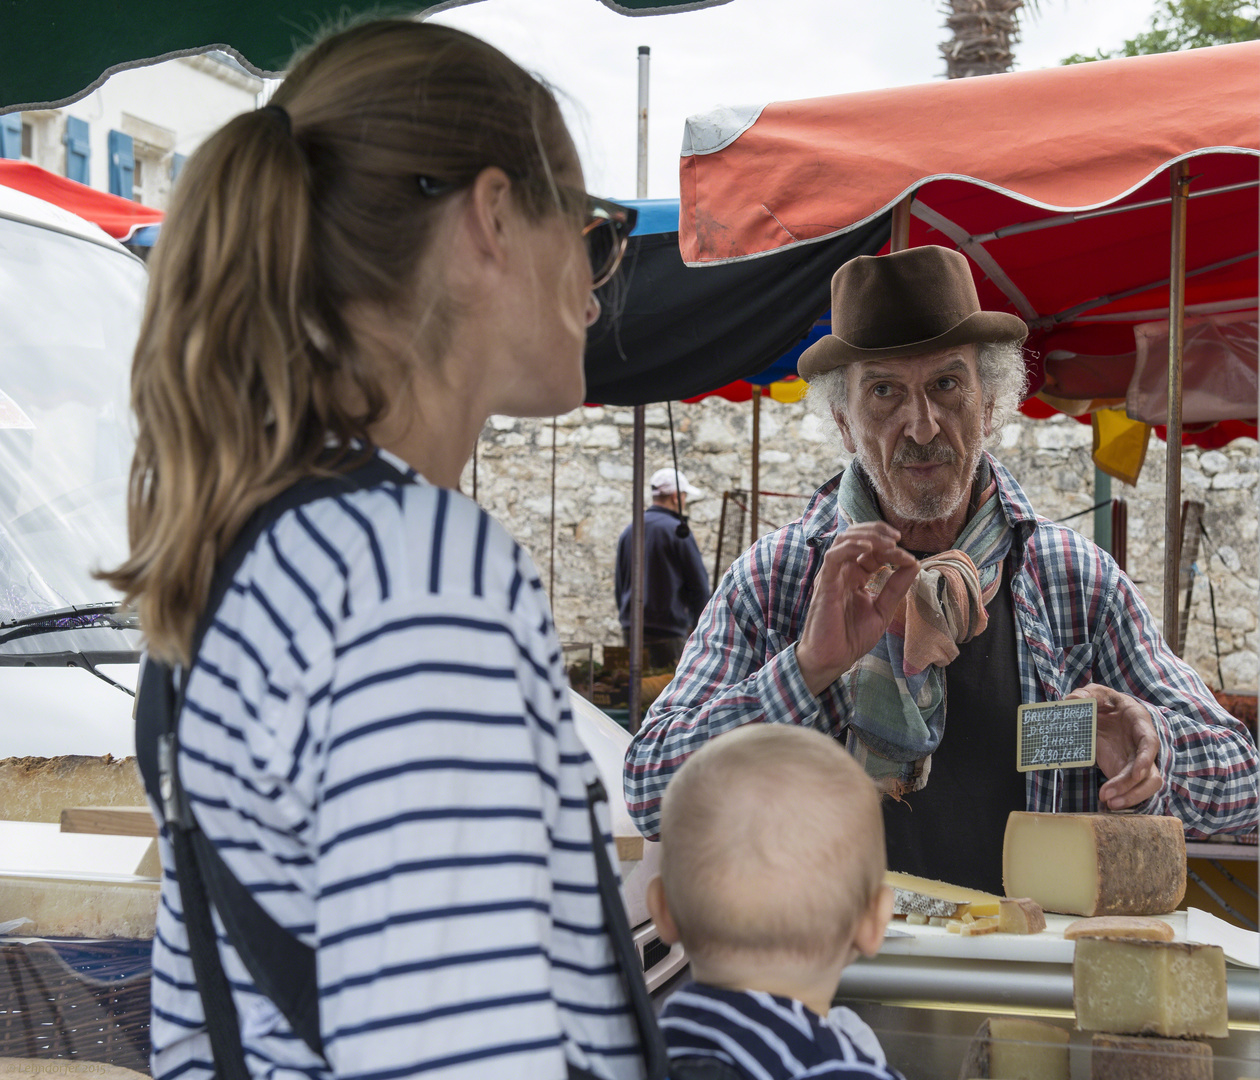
x=1055, y=184
x=117, y=216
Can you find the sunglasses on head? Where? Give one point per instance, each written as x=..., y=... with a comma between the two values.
x=606, y=228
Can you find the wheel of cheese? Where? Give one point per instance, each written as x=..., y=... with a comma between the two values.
x=1175, y=989
x=1013, y=1046
x=1130, y=1057
x=1095, y=864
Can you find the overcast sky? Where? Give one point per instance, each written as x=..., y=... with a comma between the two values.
x=745, y=52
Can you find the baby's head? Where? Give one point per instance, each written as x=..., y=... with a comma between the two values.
x=772, y=857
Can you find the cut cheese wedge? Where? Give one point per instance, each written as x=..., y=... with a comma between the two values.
x=1006, y=1046
x=1095, y=864
x=1130, y=987
x=1020, y=915
x=923, y=896
x=1129, y=1057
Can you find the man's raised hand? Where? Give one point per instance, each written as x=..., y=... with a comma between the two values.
x=845, y=620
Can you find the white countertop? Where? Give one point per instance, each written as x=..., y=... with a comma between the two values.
x=1241, y=947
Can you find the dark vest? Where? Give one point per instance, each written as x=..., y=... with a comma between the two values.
x=952, y=830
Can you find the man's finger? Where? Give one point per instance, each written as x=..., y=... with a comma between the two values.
x=1132, y=795
x=895, y=588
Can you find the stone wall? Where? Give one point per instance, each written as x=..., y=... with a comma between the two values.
x=592, y=468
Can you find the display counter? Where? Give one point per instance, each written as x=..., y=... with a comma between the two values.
x=928, y=991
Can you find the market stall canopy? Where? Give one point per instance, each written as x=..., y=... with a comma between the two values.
x=55, y=51
x=1054, y=183
x=669, y=332
x=123, y=219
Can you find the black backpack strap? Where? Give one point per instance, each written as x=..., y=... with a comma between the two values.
x=282, y=967
x=654, y=1058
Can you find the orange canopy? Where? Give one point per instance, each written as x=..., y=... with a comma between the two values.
x=1065, y=138
x=1054, y=183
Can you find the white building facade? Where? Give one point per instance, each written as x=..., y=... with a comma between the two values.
x=131, y=135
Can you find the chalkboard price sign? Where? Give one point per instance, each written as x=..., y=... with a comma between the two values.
x=1056, y=734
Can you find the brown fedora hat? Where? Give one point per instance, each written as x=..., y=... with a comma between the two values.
x=907, y=303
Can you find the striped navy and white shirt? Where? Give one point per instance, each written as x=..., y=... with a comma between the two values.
x=377, y=737
x=768, y=1037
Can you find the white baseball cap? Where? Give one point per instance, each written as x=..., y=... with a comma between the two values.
x=662, y=483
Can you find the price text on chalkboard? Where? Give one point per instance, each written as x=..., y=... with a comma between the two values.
x=1056, y=734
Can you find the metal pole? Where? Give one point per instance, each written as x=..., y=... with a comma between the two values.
x=756, y=465
x=900, y=238
x=551, y=574
x=1176, y=335
x=717, y=555
x=639, y=473
x=1102, y=515
x=644, y=60
x=636, y=574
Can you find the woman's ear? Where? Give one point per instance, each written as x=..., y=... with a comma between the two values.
x=658, y=908
x=874, y=922
x=486, y=215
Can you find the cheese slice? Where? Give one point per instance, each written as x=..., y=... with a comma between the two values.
x=924, y=896
x=1011, y=1047
x=1120, y=926
x=1095, y=864
x=987, y=925
x=1129, y=1057
x=1131, y=987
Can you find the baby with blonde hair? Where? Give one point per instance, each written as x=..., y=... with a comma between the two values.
x=772, y=867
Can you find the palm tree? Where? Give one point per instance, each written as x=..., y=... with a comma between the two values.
x=984, y=34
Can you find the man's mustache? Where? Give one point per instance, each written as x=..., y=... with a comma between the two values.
x=933, y=453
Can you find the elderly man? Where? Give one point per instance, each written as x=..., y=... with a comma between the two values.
x=919, y=600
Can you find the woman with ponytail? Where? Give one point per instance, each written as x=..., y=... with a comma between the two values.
x=370, y=725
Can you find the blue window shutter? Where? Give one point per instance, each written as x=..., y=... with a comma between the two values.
x=11, y=135
x=177, y=163
x=122, y=164
x=78, y=150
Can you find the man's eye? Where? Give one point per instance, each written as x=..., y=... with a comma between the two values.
x=947, y=383
x=881, y=389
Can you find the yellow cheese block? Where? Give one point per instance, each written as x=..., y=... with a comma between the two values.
x=1010, y=1047
x=1130, y=987
x=924, y=896
x=1095, y=864
x=1131, y=1057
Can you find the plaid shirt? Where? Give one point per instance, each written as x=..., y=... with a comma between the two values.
x=1078, y=618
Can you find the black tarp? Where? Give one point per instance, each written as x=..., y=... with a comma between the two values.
x=669, y=331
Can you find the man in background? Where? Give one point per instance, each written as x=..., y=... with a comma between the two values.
x=675, y=582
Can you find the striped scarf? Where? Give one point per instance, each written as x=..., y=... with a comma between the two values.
x=898, y=688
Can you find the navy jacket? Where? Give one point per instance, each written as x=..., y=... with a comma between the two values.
x=675, y=582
